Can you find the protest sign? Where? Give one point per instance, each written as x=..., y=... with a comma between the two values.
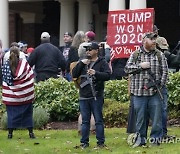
x=126, y=28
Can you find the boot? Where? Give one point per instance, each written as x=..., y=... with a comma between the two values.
x=31, y=134
x=10, y=133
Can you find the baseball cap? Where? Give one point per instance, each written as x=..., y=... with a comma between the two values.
x=68, y=33
x=150, y=35
x=82, y=50
x=92, y=45
x=30, y=50
x=162, y=43
x=90, y=34
x=22, y=44
x=45, y=35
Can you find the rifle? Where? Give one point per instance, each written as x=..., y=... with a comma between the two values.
x=89, y=80
x=154, y=83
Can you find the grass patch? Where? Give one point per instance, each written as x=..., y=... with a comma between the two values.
x=63, y=141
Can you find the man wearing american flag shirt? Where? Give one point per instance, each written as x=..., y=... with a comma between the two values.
x=18, y=92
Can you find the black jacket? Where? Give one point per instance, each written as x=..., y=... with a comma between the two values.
x=102, y=74
x=118, y=68
x=72, y=57
x=47, y=58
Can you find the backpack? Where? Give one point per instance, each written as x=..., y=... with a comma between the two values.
x=75, y=80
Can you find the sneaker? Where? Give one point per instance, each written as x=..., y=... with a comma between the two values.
x=82, y=146
x=101, y=145
x=32, y=136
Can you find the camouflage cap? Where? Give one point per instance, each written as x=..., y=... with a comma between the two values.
x=162, y=43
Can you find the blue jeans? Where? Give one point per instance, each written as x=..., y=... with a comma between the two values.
x=68, y=76
x=95, y=107
x=145, y=107
x=164, y=110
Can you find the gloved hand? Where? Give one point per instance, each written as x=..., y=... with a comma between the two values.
x=145, y=65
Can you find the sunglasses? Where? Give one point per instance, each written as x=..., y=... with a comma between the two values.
x=89, y=49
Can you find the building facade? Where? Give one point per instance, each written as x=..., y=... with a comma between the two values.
x=27, y=19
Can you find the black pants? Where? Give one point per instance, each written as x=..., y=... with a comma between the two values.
x=42, y=76
x=131, y=128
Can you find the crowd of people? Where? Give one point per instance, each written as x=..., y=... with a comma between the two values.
x=22, y=66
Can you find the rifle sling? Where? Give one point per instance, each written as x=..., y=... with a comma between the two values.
x=86, y=76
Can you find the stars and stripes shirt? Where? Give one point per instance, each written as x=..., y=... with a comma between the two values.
x=139, y=80
x=18, y=89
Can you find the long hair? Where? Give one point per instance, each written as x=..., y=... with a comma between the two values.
x=79, y=38
x=14, y=59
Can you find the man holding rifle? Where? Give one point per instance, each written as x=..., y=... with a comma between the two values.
x=146, y=69
x=93, y=71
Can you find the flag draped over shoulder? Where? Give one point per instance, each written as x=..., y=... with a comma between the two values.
x=18, y=89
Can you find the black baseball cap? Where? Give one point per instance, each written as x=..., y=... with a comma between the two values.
x=92, y=45
x=150, y=35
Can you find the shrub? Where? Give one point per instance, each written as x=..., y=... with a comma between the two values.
x=59, y=97
x=115, y=113
x=2, y=106
x=40, y=118
x=174, y=94
x=2, y=109
x=117, y=90
x=4, y=121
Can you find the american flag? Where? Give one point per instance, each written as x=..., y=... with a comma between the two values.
x=19, y=89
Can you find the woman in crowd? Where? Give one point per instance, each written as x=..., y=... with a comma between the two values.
x=79, y=38
x=18, y=92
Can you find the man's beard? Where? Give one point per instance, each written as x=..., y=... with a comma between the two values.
x=152, y=48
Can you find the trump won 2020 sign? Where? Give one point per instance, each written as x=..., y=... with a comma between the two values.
x=126, y=28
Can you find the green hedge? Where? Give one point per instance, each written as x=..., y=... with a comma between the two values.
x=115, y=113
x=174, y=95
x=40, y=118
x=58, y=97
x=117, y=90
